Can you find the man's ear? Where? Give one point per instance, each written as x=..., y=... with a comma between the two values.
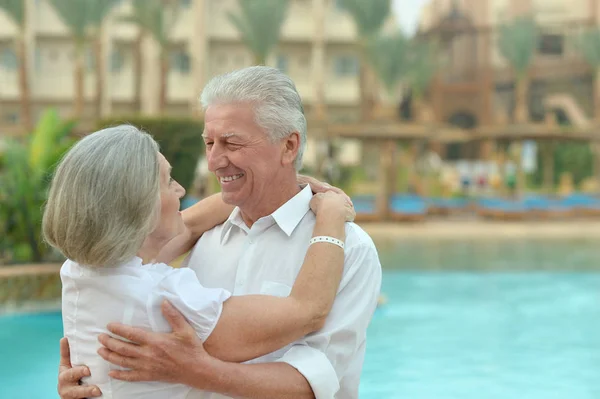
x=290, y=147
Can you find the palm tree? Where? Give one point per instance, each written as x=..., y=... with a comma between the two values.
x=387, y=56
x=517, y=43
x=422, y=67
x=155, y=18
x=16, y=11
x=75, y=14
x=589, y=46
x=83, y=18
x=369, y=17
x=259, y=24
x=101, y=9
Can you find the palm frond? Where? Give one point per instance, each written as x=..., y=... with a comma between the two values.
x=76, y=15
x=259, y=24
x=518, y=41
x=155, y=18
x=588, y=45
x=423, y=65
x=368, y=15
x=15, y=9
x=100, y=10
x=389, y=57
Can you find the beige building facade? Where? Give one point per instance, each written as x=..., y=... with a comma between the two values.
x=317, y=49
x=476, y=83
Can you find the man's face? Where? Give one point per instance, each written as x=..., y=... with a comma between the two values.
x=240, y=154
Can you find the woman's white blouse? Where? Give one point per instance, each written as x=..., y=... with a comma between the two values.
x=131, y=294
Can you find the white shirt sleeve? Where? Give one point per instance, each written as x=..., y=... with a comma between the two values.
x=343, y=337
x=201, y=306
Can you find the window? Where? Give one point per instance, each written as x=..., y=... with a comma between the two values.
x=11, y=118
x=345, y=66
x=551, y=44
x=282, y=63
x=180, y=61
x=8, y=59
x=116, y=61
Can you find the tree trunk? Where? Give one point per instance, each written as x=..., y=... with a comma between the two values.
x=259, y=59
x=138, y=72
x=521, y=103
x=24, y=83
x=366, y=83
x=164, y=77
x=521, y=117
x=547, y=149
x=100, y=77
x=596, y=162
x=386, y=163
x=596, y=93
x=79, y=76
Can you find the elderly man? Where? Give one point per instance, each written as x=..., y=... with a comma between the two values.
x=255, y=135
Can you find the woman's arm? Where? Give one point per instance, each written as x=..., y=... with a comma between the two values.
x=254, y=325
x=198, y=219
x=211, y=212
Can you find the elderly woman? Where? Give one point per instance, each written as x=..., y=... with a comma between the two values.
x=112, y=206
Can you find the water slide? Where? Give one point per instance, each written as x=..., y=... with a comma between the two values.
x=567, y=103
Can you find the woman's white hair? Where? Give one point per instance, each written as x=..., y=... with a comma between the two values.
x=278, y=106
x=104, y=199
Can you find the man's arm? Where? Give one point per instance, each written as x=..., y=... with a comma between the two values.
x=179, y=357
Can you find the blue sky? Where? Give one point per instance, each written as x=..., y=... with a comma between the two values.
x=408, y=13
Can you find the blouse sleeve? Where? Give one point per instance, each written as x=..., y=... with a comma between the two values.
x=201, y=306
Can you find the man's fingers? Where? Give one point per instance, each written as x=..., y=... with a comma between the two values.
x=65, y=355
x=132, y=376
x=115, y=358
x=121, y=347
x=73, y=375
x=81, y=391
x=174, y=317
x=132, y=334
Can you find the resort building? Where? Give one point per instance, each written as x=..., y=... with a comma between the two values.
x=317, y=49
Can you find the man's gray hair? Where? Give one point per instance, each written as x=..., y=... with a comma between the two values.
x=278, y=106
x=104, y=199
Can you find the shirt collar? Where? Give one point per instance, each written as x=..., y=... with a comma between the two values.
x=287, y=216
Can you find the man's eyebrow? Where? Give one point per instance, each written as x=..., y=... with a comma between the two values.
x=225, y=135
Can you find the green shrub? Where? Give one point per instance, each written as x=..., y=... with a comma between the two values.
x=25, y=169
x=180, y=141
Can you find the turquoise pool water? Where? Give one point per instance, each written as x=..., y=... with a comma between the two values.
x=522, y=328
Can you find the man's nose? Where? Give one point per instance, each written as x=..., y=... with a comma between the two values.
x=216, y=157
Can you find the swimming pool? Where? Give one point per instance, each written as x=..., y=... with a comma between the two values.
x=531, y=332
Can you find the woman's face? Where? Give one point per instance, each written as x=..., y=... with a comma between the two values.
x=170, y=223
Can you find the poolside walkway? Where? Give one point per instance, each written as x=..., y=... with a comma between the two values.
x=478, y=229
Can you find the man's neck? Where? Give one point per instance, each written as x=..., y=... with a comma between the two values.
x=279, y=195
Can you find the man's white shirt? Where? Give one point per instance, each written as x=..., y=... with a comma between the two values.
x=266, y=258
